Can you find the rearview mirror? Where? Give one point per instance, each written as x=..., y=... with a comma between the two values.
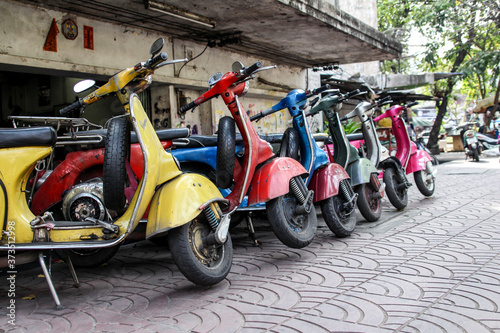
x=83, y=85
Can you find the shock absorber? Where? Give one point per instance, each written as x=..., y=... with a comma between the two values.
x=296, y=191
x=345, y=190
x=211, y=218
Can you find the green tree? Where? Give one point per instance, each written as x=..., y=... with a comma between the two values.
x=462, y=36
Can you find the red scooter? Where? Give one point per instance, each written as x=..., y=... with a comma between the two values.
x=261, y=175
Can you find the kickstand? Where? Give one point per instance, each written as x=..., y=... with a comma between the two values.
x=76, y=283
x=251, y=230
x=49, y=281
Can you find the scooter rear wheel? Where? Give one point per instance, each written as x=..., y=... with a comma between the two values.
x=291, y=229
x=199, y=262
x=369, y=207
x=396, y=191
x=116, y=153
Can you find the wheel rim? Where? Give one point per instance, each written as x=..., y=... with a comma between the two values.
x=341, y=213
x=207, y=255
x=400, y=192
x=372, y=202
x=428, y=181
x=296, y=222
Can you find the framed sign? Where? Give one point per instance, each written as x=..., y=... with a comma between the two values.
x=88, y=37
x=69, y=29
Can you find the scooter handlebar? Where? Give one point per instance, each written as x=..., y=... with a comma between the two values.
x=188, y=107
x=319, y=90
x=70, y=108
x=249, y=70
x=152, y=63
x=262, y=114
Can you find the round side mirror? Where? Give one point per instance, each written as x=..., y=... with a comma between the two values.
x=156, y=47
x=83, y=85
x=237, y=66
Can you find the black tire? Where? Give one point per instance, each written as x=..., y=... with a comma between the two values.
x=290, y=144
x=475, y=155
x=370, y=208
x=296, y=231
x=425, y=187
x=226, y=145
x=338, y=221
x=116, y=153
x=90, y=257
x=397, y=197
x=201, y=264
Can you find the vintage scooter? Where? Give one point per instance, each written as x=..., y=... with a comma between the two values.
x=394, y=176
x=473, y=148
x=197, y=228
x=329, y=181
x=414, y=160
x=259, y=174
x=362, y=172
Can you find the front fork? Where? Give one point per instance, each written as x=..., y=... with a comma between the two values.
x=303, y=195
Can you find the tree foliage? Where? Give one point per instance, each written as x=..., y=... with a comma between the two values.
x=463, y=36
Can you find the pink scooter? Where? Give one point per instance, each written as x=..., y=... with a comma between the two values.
x=414, y=161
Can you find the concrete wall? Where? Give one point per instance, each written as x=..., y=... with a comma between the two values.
x=24, y=29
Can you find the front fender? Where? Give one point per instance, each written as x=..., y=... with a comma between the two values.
x=418, y=161
x=272, y=179
x=180, y=201
x=325, y=181
x=360, y=171
x=391, y=161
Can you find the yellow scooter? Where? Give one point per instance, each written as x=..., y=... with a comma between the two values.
x=185, y=206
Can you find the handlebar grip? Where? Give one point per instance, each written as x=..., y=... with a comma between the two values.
x=319, y=90
x=253, y=68
x=72, y=107
x=344, y=118
x=256, y=116
x=187, y=107
x=409, y=105
x=262, y=114
x=352, y=93
x=152, y=63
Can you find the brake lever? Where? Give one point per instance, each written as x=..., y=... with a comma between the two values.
x=264, y=69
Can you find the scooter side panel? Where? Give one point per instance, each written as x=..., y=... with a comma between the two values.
x=325, y=181
x=272, y=179
x=178, y=202
x=418, y=161
x=360, y=171
x=14, y=172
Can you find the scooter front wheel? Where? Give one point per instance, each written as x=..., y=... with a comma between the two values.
x=340, y=221
x=200, y=262
x=292, y=229
x=395, y=188
x=368, y=203
x=424, y=182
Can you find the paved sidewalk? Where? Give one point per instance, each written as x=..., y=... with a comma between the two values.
x=434, y=267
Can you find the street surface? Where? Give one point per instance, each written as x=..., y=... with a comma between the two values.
x=434, y=267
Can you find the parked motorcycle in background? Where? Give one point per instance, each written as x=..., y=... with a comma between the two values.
x=473, y=148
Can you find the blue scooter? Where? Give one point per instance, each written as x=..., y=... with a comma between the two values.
x=329, y=181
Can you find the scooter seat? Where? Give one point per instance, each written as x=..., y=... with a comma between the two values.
x=27, y=137
x=355, y=136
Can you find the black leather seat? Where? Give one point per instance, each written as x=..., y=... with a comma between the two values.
x=27, y=136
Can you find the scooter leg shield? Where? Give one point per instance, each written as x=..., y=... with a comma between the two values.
x=418, y=161
x=325, y=181
x=360, y=171
x=272, y=179
x=179, y=201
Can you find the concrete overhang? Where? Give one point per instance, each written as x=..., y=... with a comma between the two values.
x=303, y=33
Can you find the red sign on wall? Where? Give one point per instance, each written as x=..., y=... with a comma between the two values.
x=88, y=37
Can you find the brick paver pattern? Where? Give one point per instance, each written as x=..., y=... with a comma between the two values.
x=434, y=267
